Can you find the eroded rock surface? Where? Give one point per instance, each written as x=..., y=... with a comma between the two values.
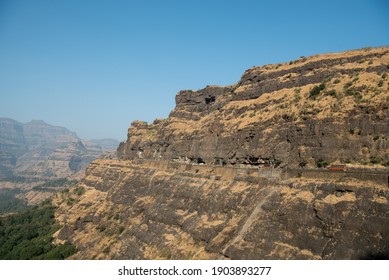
x=271, y=115
x=239, y=172
x=146, y=211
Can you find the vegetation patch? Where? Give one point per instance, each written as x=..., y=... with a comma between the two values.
x=315, y=91
x=321, y=163
x=331, y=93
x=79, y=190
x=375, y=160
x=28, y=235
x=9, y=203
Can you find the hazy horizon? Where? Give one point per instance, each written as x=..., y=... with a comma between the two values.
x=55, y=125
x=96, y=66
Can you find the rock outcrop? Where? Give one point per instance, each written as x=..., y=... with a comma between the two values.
x=239, y=172
x=272, y=114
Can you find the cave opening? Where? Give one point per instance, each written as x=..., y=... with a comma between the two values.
x=210, y=99
x=197, y=160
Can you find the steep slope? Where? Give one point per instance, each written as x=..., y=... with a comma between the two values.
x=175, y=211
x=238, y=171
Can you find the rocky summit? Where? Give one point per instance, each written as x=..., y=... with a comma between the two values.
x=291, y=162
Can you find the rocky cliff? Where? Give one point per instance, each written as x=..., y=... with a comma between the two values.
x=239, y=172
x=324, y=108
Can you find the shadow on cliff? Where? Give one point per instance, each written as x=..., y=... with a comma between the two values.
x=376, y=256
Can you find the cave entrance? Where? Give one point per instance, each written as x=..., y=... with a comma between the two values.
x=210, y=99
x=253, y=161
x=197, y=160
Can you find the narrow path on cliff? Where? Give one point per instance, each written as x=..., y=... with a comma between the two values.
x=250, y=220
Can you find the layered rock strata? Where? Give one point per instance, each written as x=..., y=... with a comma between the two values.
x=240, y=172
x=154, y=211
x=271, y=114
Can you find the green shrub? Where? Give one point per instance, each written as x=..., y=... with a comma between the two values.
x=358, y=96
x=315, y=91
x=70, y=201
x=331, y=93
x=101, y=228
x=347, y=85
x=79, y=190
x=297, y=90
x=375, y=160
x=321, y=163
x=121, y=229
x=352, y=91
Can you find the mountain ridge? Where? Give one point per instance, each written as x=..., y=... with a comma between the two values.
x=37, y=158
x=291, y=162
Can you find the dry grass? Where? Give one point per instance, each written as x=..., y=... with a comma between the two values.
x=334, y=199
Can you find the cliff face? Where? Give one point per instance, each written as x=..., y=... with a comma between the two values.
x=237, y=172
x=274, y=114
x=173, y=211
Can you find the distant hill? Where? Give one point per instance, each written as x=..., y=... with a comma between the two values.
x=40, y=150
x=12, y=145
x=37, y=159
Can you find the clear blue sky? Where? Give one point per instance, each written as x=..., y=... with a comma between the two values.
x=95, y=66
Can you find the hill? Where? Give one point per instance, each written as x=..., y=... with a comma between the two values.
x=291, y=162
x=37, y=158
